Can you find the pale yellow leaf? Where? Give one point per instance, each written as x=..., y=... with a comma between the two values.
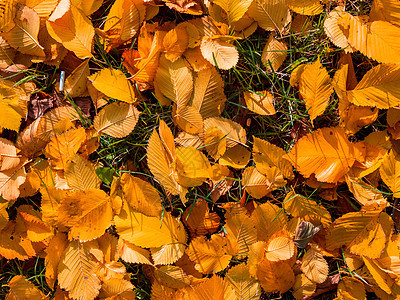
x=133, y=254
x=261, y=102
x=167, y=254
x=189, y=119
x=314, y=266
x=80, y=174
x=270, y=14
x=245, y=286
x=219, y=53
x=306, y=7
x=21, y=288
x=235, y=9
x=233, y=132
x=216, y=288
x=335, y=32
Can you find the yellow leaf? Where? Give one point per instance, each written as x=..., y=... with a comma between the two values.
x=76, y=272
x=236, y=157
x=3, y=214
x=116, y=119
x=24, y=35
x=208, y=97
x=21, y=288
x=54, y=251
x=7, y=54
x=385, y=10
x=11, y=180
x=233, y=132
x=363, y=233
x=87, y=7
x=36, y=229
x=80, y=174
x=144, y=231
x=240, y=230
x=390, y=172
x=133, y=254
x=210, y=256
x=114, y=84
x=255, y=183
x=267, y=155
x=280, y=247
x=275, y=277
x=350, y=288
x=261, y=102
x=13, y=104
x=159, y=159
x=363, y=192
x=235, y=9
x=172, y=276
x=219, y=53
x=63, y=147
x=216, y=288
x=87, y=213
x=299, y=206
x=381, y=277
x=117, y=288
x=141, y=196
x=69, y=26
x=189, y=119
x=303, y=287
x=270, y=15
x=326, y=153
x=268, y=219
x=315, y=89
x=192, y=167
x=296, y=74
x=334, y=31
x=378, y=40
x=13, y=245
x=306, y=7
x=75, y=84
x=314, y=266
x=167, y=254
x=274, y=54
x=245, y=286
x=175, y=43
x=8, y=155
x=175, y=81
x=7, y=15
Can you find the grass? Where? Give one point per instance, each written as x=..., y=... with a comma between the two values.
x=283, y=129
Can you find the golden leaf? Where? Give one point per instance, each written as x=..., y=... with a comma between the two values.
x=245, y=286
x=302, y=207
x=114, y=84
x=235, y=9
x=116, y=119
x=75, y=84
x=233, y=132
x=240, y=230
x=76, y=272
x=87, y=213
x=133, y=254
x=175, y=43
x=326, y=153
x=80, y=174
x=13, y=104
x=255, y=183
x=199, y=220
x=275, y=277
x=54, y=251
x=390, y=172
x=378, y=40
x=216, y=288
x=174, y=81
x=274, y=54
x=36, y=229
x=363, y=192
x=13, y=245
x=172, y=277
x=208, y=97
x=315, y=88
x=261, y=102
x=11, y=180
x=7, y=54
x=303, y=287
x=267, y=155
x=8, y=155
x=270, y=15
x=167, y=254
x=219, y=53
x=382, y=278
x=3, y=214
x=211, y=255
x=236, y=157
x=8, y=11
x=21, y=288
x=63, y=147
x=280, y=247
x=334, y=31
x=314, y=266
x=385, y=10
x=268, y=219
x=145, y=231
x=117, y=288
x=189, y=119
x=363, y=233
x=306, y=7
x=69, y=26
x=350, y=288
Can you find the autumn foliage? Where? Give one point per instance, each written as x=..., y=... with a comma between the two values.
x=216, y=213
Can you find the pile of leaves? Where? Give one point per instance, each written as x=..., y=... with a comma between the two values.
x=206, y=210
